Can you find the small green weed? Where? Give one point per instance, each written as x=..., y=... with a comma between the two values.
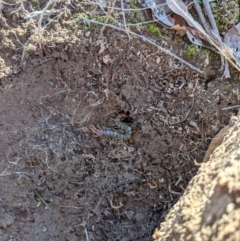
x=152, y=28
x=38, y=195
x=192, y=50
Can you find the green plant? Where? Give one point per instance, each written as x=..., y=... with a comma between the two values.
x=152, y=28
x=38, y=195
x=226, y=13
x=192, y=50
x=229, y=86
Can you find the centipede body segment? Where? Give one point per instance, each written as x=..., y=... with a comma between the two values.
x=122, y=130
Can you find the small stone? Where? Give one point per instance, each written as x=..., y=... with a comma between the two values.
x=44, y=229
x=87, y=34
x=230, y=207
x=130, y=149
x=158, y=60
x=106, y=59
x=85, y=129
x=190, y=85
x=193, y=123
x=102, y=48
x=160, y=104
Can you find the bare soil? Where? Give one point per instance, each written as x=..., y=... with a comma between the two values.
x=98, y=190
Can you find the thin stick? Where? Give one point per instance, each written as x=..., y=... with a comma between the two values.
x=231, y=107
x=40, y=32
x=126, y=9
x=152, y=186
x=173, y=192
x=211, y=19
x=34, y=190
x=108, y=14
x=168, y=52
x=215, y=33
x=178, y=181
x=86, y=233
x=181, y=186
x=202, y=17
x=115, y=207
x=9, y=4
x=124, y=17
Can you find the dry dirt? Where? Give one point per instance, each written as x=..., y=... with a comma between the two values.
x=97, y=190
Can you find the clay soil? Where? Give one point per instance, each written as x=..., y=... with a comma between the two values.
x=96, y=189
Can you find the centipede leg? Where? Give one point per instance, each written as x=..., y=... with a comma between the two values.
x=96, y=131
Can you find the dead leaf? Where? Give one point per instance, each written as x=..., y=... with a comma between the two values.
x=180, y=25
x=232, y=40
x=181, y=30
x=181, y=9
x=184, y=18
x=160, y=12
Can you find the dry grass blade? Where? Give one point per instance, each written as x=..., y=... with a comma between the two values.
x=34, y=190
x=40, y=30
x=202, y=17
x=222, y=48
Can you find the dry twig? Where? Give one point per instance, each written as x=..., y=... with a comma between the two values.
x=202, y=17
x=115, y=207
x=173, y=192
x=152, y=186
x=142, y=37
x=40, y=30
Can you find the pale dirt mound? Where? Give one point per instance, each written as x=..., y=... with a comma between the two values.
x=210, y=206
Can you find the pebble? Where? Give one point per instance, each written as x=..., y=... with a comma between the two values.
x=87, y=34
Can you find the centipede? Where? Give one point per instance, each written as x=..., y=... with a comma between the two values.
x=121, y=130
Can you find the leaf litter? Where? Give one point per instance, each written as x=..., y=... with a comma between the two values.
x=183, y=22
